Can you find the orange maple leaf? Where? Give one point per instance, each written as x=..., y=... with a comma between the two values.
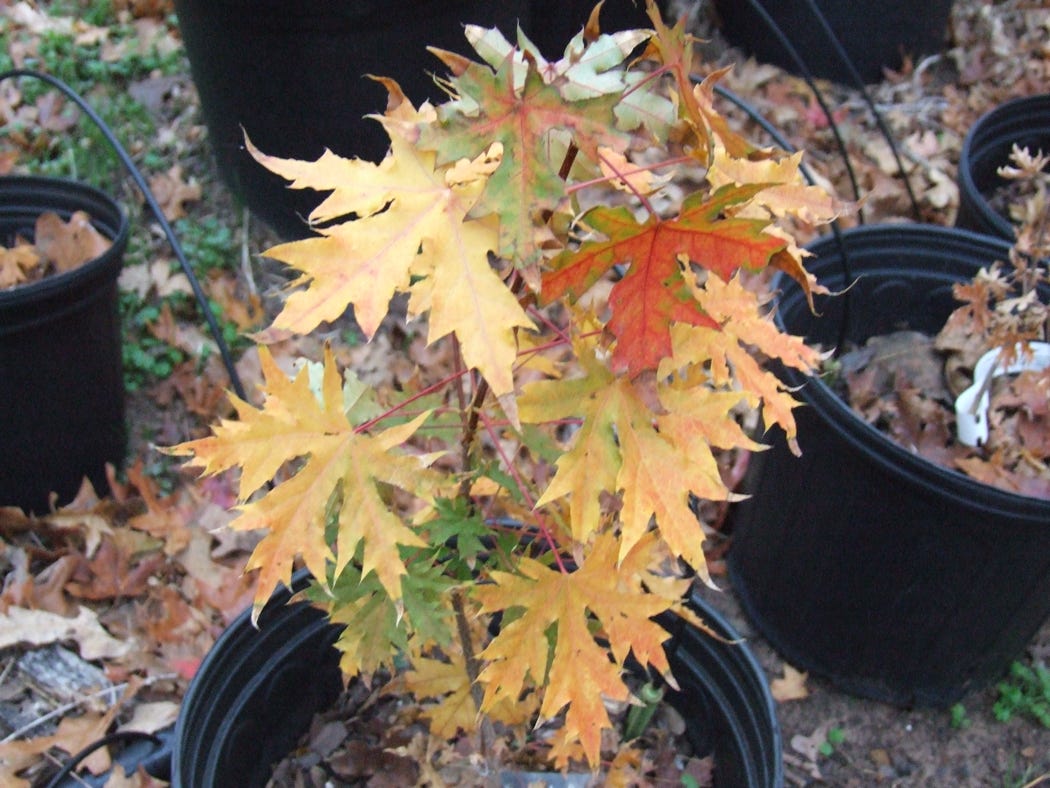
x=655, y=291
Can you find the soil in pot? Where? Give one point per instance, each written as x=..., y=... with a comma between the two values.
x=380, y=732
x=896, y=382
x=896, y=578
x=61, y=373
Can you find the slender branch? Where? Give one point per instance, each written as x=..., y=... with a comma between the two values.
x=470, y=434
x=473, y=666
x=399, y=407
x=515, y=474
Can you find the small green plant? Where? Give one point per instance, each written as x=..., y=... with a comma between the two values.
x=959, y=718
x=208, y=242
x=146, y=358
x=639, y=717
x=835, y=738
x=1025, y=692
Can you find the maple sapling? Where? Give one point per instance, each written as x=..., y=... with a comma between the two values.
x=600, y=358
x=1003, y=325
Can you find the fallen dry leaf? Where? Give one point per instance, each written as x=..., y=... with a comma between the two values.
x=19, y=626
x=172, y=192
x=16, y=263
x=152, y=717
x=809, y=746
x=157, y=276
x=68, y=244
x=790, y=686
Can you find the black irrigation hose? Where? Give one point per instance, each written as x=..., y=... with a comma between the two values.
x=807, y=75
x=858, y=81
x=71, y=765
x=140, y=181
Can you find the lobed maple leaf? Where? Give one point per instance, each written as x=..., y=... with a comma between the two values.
x=527, y=122
x=674, y=48
x=590, y=66
x=623, y=447
x=582, y=672
x=729, y=353
x=412, y=221
x=294, y=423
x=655, y=291
x=786, y=194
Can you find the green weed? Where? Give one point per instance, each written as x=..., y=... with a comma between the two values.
x=835, y=737
x=1025, y=692
x=146, y=358
x=959, y=718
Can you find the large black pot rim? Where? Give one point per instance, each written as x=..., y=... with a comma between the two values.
x=725, y=672
x=1025, y=120
x=23, y=198
x=892, y=577
x=934, y=241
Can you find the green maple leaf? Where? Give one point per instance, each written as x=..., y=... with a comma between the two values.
x=657, y=288
x=526, y=122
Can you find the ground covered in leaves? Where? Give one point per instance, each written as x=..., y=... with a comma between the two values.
x=110, y=602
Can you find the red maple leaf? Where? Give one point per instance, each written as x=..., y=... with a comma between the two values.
x=656, y=290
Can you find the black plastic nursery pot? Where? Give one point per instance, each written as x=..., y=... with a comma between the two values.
x=1024, y=122
x=875, y=34
x=292, y=75
x=894, y=577
x=61, y=373
x=257, y=690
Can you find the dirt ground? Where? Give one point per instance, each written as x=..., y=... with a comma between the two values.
x=891, y=746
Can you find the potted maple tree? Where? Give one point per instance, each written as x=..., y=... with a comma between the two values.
x=919, y=573
x=61, y=376
x=584, y=238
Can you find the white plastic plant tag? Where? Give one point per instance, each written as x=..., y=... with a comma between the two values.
x=971, y=406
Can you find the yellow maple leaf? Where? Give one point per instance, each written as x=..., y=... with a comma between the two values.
x=656, y=476
x=728, y=351
x=588, y=468
x=619, y=447
x=295, y=424
x=408, y=231
x=447, y=682
x=583, y=672
x=787, y=194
